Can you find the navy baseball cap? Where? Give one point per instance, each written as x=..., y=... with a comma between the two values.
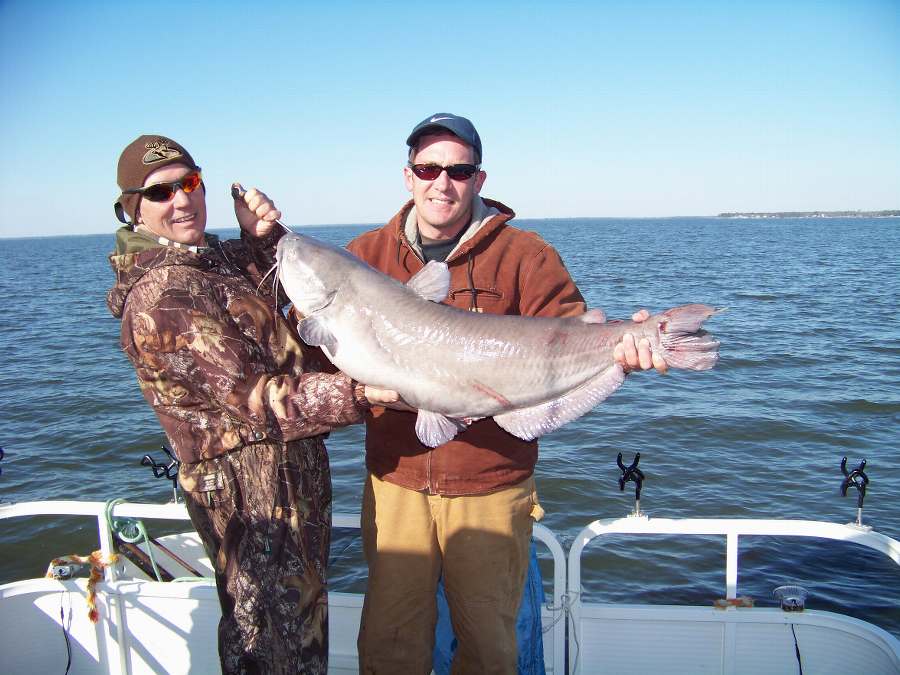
x=456, y=125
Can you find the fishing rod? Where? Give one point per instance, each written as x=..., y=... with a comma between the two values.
x=238, y=192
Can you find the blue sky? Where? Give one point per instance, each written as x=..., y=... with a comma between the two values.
x=585, y=108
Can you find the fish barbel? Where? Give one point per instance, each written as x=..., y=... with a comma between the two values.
x=531, y=374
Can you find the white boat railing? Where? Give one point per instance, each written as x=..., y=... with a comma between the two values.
x=555, y=608
x=566, y=602
x=732, y=530
x=169, y=511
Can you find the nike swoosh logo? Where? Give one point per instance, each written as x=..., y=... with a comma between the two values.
x=438, y=119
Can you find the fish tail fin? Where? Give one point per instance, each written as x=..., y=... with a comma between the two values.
x=683, y=343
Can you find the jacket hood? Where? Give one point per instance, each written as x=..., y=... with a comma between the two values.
x=136, y=254
x=488, y=216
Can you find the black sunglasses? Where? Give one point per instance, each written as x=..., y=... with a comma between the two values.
x=458, y=172
x=163, y=192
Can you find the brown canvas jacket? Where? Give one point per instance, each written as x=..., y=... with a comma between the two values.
x=499, y=270
x=214, y=357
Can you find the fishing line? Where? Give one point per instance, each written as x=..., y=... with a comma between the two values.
x=570, y=600
x=62, y=625
x=340, y=553
x=797, y=650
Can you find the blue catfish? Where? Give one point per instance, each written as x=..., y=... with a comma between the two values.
x=531, y=374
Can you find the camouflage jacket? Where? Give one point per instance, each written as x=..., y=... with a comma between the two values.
x=217, y=360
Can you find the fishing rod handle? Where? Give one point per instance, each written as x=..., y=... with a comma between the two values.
x=238, y=192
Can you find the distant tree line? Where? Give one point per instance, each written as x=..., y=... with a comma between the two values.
x=812, y=214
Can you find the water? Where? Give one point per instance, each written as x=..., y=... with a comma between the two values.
x=809, y=373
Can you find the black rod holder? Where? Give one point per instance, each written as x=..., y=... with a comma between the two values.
x=632, y=473
x=858, y=479
x=169, y=470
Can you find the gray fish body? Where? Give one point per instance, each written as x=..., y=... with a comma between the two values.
x=531, y=374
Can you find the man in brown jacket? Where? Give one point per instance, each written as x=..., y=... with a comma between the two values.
x=464, y=509
x=241, y=400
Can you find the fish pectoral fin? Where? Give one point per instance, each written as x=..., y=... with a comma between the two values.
x=315, y=332
x=593, y=316
x=530, y=423
x=432, y=282
x=434, y=429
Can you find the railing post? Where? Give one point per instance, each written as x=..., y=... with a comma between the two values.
x=731, y=565
x=107, y=547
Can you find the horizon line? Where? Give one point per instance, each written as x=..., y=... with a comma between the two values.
x=725, y=215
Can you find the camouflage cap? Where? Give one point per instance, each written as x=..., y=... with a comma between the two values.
x=139, y=159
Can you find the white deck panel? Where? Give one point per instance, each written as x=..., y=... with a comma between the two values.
x=31, y=639
x=678, y=640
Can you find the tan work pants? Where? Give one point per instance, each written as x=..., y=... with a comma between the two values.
x=481, y=543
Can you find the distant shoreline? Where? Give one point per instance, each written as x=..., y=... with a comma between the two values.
x=813, y=214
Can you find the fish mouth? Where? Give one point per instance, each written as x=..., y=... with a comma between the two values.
x=284, y=245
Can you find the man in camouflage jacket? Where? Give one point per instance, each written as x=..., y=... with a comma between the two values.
x=243, y=402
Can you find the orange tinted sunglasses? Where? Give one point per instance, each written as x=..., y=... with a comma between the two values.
x=163, y=192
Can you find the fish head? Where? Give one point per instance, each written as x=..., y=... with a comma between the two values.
x=310, y=271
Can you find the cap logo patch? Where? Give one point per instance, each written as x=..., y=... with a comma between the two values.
x=157, y=151
x=438, y=119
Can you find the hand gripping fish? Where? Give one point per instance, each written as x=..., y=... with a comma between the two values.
x=531, y=374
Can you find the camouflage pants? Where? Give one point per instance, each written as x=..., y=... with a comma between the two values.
x=264, y=515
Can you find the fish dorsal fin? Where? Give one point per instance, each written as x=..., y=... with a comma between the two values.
x=315, y=332
x=434, y=429
x=432, y=282
x=593, y=316
x=529, y=423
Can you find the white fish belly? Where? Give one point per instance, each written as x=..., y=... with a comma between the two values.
x=462, y=364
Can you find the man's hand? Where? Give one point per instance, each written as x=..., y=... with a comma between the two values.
x=638, y=356
x=256, y=213
x=387, y=397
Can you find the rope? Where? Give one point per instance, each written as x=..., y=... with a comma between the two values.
x=98, y=563
x=565, y=607
x=567, y=600
x=575, y=629
x=128, y=530
x=131, y=531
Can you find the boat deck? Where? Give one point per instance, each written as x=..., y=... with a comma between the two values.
x=170, y=627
